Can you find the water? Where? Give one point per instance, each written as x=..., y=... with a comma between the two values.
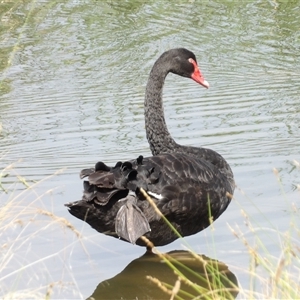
x=73, y=80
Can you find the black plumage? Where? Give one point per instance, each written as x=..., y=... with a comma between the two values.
x=190, y=186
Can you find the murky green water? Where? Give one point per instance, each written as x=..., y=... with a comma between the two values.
x=73, y=76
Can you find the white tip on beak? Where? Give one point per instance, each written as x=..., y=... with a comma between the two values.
x=206, y=84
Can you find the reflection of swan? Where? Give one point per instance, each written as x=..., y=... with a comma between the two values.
x=132, y=283
x=189, y=185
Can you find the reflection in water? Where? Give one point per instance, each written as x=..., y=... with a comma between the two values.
x=72, y=78
x=208, y=274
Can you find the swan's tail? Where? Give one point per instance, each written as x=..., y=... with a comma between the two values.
x=109, y=201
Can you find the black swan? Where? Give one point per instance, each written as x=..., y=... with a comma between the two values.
x=191, y=186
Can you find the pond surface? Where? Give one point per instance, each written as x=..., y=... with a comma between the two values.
x=73, y=76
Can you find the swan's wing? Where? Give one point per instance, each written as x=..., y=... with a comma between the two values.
x=86, y=172
x=184, y=185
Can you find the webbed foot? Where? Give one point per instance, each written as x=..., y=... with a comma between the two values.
x=131, y=222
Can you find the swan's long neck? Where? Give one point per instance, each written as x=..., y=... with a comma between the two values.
x=158, y=136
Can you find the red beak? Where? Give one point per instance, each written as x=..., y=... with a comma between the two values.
x=197, y=76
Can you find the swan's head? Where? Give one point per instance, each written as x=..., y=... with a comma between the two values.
x=184, y=63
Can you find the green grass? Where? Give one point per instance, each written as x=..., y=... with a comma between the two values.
x=24, y=220
x=198, y=276
x=211, y=283
x=270, y=276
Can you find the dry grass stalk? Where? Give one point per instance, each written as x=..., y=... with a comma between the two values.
x=160, y=285
x=60, y=220
x=176, y=288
